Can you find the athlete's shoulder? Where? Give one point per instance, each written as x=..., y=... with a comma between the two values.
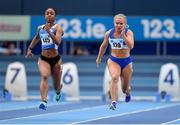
x=108, y=32
x=129, y=31
x=58, y=28
x=40, y=27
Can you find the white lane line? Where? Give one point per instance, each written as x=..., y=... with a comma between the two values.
x=60, y=112
x=29, y=107
x=127, y=113
x=170, y=121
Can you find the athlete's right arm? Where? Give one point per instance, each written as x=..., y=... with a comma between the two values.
x=102, y=48
x=33, y=43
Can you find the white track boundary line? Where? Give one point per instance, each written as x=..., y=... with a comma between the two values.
x=171, y=121
x=29, y=107
x=61, y=112
x=127, y=113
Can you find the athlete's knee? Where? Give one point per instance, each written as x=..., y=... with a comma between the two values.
x=44, y=77
x=115, y=79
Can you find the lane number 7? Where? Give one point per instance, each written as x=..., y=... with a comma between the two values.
x=16, y=70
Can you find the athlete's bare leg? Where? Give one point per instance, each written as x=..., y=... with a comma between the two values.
x=45, y=71
x=114, y=70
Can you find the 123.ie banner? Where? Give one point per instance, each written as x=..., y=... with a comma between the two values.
x=93, y=28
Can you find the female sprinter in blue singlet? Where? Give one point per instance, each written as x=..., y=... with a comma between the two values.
x=121, y=40
x=50, y=62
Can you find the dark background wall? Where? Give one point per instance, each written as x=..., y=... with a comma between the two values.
x=91, y=7
x=148, y=7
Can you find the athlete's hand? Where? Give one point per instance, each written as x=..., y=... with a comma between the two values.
x=29, y=54
x=98, y=61
x=47, y=27
x=123, y=32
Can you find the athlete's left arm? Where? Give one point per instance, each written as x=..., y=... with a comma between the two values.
x=59, y=34
x=129, y=38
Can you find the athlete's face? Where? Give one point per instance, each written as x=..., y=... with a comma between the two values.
x=119, y=23
x=50, y=15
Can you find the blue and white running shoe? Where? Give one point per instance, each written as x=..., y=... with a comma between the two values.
x=128, y=98
x=112, y=106
x=43, y=105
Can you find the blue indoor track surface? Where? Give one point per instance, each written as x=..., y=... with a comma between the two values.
x=90, y=112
